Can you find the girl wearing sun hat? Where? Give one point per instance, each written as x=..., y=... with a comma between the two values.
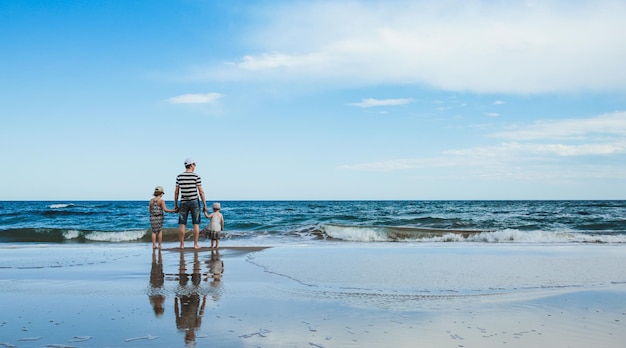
x=156, y=209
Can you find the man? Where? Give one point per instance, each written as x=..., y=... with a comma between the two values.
x=189, y=185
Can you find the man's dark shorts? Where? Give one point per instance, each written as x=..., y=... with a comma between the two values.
x=187, y=207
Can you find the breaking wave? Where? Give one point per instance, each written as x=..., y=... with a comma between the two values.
x=409, y=234
x=52, y=235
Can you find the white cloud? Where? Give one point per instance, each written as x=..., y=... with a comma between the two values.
x=479, y=46
x=492, y=114
x=499, y=102
x=370, y=102
x=206, y=98
x=278, y=60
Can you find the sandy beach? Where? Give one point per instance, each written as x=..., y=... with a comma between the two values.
x=310, y=296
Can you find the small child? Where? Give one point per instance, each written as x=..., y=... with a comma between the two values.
x=156, y=209
x=216, y=225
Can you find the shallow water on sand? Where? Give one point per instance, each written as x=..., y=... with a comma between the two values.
x=358, y=296
x=431, y=271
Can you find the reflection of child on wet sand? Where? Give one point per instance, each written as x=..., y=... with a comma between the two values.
x=157, y=278
x=216, y=267
x=216, y=270
x=215, y=226
x=156, y=209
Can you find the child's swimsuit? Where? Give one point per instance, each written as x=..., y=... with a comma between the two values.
x=156, y=217
x=214, y=228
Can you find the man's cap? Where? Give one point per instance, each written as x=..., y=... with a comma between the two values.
x=189, y=161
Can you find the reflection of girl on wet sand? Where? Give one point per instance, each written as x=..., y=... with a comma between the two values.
x=157, y=278
x=187, y=305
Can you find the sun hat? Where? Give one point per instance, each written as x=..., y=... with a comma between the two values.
x=189, y=161
x=216, y=205
x=158, y=190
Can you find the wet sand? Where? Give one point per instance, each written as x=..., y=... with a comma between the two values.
x=310, y=296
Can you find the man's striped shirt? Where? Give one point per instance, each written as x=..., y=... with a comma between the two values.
x=188, y=183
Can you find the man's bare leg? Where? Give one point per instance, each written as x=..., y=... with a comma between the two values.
x=196, y=236
x=181, y=236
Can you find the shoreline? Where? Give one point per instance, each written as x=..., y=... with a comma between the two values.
x=209, y=249
x=321, y=296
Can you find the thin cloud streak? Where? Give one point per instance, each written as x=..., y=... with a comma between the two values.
x=206, y=98
x=371, y=102
x=402, y=164
x=518, y=150
x=596, y=149
x=608, y=124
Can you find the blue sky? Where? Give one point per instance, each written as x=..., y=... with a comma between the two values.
x=104, y=100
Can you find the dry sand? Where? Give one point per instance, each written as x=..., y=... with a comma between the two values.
x=330, y=296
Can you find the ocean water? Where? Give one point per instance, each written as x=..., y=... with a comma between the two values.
x=310, y=222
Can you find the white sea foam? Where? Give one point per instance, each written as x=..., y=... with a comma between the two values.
x=508, y=236
x=61, y=205
x=71, y=234
x=123, y=236
x=513, y=236
x=382, y=234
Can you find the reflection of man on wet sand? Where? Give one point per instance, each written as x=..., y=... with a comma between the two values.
x=187, y=304
x=157, y=278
